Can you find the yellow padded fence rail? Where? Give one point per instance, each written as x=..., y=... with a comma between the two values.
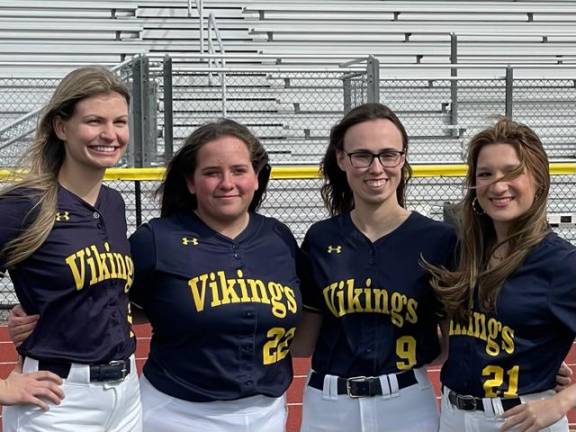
x=302, y=172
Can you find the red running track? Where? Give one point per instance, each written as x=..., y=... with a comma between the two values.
x=301, y=366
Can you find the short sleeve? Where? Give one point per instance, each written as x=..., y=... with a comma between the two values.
x=143, y=249
x=15, y=215
x=311, y=297
x=563, y=290
x=286, y=235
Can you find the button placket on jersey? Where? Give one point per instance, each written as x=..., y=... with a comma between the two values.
x=372, y=259
x=100, y=226
x=369, y=328
x=112, y=301
x=247, y=341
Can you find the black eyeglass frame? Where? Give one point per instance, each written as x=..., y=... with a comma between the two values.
x=398, y=154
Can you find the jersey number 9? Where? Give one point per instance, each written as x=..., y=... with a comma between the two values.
x=406, y=351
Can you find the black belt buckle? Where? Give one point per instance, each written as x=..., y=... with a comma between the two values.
x=362, y=386
x=465, y=402
x=116, y=370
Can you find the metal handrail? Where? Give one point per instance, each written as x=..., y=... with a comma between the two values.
x=19, y=120
x=212, y=62
x=19, y=137
x=200, y=8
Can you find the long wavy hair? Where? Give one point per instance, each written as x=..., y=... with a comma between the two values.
x=336, y=192
x=476, y=229
x=176, y=197
x=43, y=160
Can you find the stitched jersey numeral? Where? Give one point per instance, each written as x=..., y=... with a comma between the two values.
x=493, y=385
x=406, y=350
x=277, y=346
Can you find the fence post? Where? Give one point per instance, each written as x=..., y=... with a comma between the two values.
x=137, y=107
x=373, y=79
x=138, y=202
x=168, y=110
x=454, y=84
x=144, y=109
x=509, y=91
x=347, y=92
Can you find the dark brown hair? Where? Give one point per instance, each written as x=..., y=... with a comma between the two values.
x=476, y=229
x=174, y=190
x=336, y=192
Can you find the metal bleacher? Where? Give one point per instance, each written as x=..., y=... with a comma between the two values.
x=417, y=30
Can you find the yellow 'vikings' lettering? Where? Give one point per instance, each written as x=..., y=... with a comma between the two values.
x=101, y=266
x=344, y=297
x=496, y=335
x=226, y=290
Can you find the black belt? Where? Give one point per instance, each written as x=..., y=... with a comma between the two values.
x=473, y=403
x=362, y=386
x=116, y=370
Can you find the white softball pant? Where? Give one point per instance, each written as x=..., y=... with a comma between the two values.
x=411, y=409
x=453, y=419
x=164, y=413
x=112, y=406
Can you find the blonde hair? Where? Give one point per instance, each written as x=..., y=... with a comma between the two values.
x=45, y=156
x=476, y=230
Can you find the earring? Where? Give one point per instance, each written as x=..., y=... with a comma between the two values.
x=477, y=208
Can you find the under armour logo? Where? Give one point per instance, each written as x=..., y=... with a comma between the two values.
x=62, y=216
x=186, y=241
x=334, y=249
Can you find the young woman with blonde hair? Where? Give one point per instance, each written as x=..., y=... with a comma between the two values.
x=63, y=242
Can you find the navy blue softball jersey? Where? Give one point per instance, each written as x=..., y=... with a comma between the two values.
x=518, y=349
x=380, y=314
x=223, y=311
x=77, y=280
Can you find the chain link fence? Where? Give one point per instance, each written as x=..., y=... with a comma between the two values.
x=21, y=99
x=440, y=121
x=290, y=111
x=20, y=110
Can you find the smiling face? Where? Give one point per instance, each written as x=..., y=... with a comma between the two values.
x=373, y=185
x=503, y=199
x=224, y=183
x=96, y=135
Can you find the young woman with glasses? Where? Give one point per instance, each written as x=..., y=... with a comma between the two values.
x=370, y=316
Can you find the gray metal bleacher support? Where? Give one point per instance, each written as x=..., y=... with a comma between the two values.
x=509, y=91
x=168, y=130
x=373, y=79
x=144, y=129
x=454, y=83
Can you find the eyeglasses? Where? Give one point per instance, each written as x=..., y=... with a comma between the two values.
x=364, y=159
